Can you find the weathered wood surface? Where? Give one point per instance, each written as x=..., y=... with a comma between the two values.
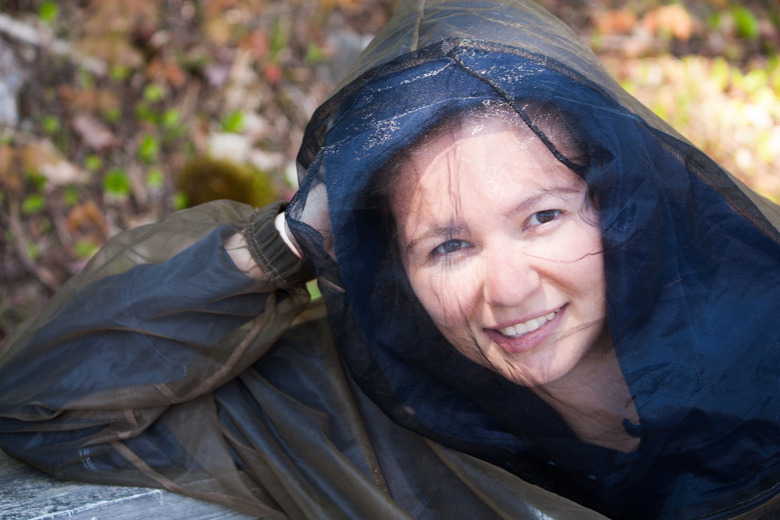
x=28, y=494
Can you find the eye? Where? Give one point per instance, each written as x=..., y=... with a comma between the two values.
x=449, y=247
x=543, y=217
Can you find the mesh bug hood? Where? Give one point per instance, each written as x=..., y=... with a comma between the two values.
x=690, y=261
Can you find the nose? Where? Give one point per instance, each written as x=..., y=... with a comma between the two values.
x=509, y=278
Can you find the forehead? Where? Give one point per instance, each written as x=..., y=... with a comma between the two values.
x=489, y=156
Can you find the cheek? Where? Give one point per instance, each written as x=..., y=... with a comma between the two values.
x=447, y=297
x=587, y=273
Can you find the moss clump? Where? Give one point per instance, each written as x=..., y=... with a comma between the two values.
x=204, y=179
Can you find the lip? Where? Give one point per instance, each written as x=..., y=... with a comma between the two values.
x=532, y=339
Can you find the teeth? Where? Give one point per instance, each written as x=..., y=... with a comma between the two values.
x=520, y=329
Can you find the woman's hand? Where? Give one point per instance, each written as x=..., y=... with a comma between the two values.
x=248, y=247
x=237, y=250
x=281, y=226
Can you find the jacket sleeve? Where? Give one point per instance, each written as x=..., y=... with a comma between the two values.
x=99, y=386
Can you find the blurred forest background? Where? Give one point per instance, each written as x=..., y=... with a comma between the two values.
x=115, y=113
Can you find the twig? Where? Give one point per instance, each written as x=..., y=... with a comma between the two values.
x=45, y=276
x=43, y=39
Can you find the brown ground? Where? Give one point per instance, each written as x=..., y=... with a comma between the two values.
x=146, y=89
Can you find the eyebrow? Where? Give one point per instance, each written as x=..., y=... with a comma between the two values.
x=522, y=206
x=533, y=198
x=434, y=232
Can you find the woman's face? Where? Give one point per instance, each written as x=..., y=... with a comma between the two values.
x=503, y=250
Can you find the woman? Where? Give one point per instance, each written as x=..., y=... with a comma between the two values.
x=501, y=245
x=600, y=327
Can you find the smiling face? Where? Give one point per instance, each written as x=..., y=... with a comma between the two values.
x=503, y=250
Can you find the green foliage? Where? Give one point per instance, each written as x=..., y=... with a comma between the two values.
x=148, y=149
x=38, y=180
x=720, y=73
x=113, y=115
x=116, y=183
x=172, y=125
x=33, y=203
x=144, y=112
x=752, y=82
x=84, y=248
x=714, y=20
x=70, y=196
x=155, y=179
x=93, y=162
x=153, y=93
x=119, y=73
x=314, y=54
x=773, y=68
x=48, y=11
x=179, y=201
x=747, y=25
x=168, y=77
x=50, y=124
x=171, y=118
x=233, y=122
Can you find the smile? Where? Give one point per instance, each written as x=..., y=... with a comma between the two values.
x=521, y=329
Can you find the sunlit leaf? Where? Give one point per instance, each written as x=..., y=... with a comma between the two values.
x=179, y=201
x=113, y=115
x=714, y=20
x=116, y=183
x=155, y=178
x=34, y=203
x=755, y=80
x=314, y=54
x=119, y=72
x=48, y=11
x=720, y=73
x=153, y=92
x=50, y=124
x=38, y=180
x=84, y=248
x=747, y=25
x=148, y=149
x=234, y=122
x=171, y=118
x=143, y=112
x=93, y=162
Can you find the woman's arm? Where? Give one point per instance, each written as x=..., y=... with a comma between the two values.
x=162, y=316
